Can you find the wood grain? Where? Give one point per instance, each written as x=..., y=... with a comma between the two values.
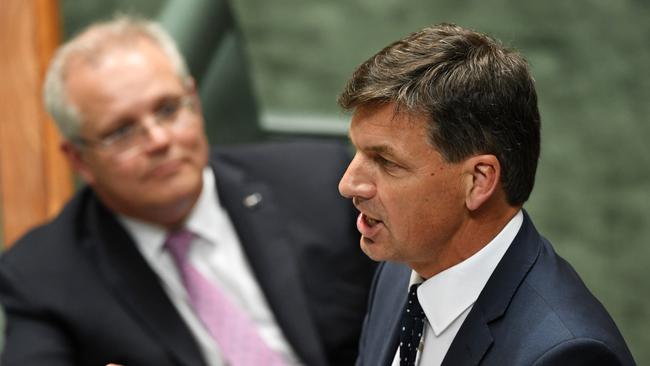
x=35, y=180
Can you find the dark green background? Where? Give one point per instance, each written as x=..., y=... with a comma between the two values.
x=590, y=59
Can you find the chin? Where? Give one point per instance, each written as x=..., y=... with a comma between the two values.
x=372, y=250
x=182, y=185
x=171, y=192
x=179, y=195
x=170, y=210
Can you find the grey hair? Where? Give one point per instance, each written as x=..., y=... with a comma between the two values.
x=121, y=31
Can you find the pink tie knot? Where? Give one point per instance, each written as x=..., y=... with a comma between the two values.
x=178, y=243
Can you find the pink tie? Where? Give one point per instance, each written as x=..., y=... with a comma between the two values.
x=230, y=327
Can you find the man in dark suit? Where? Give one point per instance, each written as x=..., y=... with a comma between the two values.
x=150, y=264
x=447, y=132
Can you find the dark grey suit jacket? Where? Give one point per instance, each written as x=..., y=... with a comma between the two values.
x=534, y=310
x=77, y=291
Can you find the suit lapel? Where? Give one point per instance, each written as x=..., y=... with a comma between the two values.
x=381, y=331
x=474, y=337
x=471, y=342
x=136, y=285
x=261, y=228
x=393, y=313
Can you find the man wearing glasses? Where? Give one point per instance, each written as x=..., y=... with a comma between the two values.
x=150, y=264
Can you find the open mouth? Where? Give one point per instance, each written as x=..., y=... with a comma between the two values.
x=370, y=221
x=369, y=227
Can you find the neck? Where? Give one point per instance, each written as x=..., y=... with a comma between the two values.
x=477, y=231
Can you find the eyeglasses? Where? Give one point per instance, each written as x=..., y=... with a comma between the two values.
x=133, y=135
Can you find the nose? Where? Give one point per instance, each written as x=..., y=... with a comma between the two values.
x=159, y=135
x=357, y=180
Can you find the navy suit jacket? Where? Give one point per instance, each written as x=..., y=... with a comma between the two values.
x=534, y=310
x=77, y=291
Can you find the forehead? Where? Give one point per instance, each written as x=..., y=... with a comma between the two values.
x=119, y=62
x=382, y=126
x=120, y=78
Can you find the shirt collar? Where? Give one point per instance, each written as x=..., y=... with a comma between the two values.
x=205, y=214
x=445, y=296
x=151, y=237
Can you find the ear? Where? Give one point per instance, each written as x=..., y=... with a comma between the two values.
x=74, y=156
x=483, y=175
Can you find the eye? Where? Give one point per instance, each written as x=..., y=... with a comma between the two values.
x=166, y=111
x=385, y=163
x=124, y=132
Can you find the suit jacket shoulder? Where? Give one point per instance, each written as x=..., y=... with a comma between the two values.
x=75, y=290
x=535, y=307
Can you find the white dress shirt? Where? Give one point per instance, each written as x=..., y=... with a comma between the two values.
x=448, y=297
x=216, y=252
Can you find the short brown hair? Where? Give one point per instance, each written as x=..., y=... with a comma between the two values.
x=477, y=95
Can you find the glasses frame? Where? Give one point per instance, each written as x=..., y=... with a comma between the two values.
x=161, y=118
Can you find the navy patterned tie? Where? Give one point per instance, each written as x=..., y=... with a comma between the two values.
x=411, y=328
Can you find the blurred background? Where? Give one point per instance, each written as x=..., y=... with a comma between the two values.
x=273, y=69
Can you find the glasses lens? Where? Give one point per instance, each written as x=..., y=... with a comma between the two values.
x=133, y=136
x=168, y=110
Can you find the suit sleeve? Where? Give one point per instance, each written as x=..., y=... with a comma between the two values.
x=579, y=352
x=32, y=336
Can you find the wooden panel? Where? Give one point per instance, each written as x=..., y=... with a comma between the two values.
x=34, y=178
x=57, y=172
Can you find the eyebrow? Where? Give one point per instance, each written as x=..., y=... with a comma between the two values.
x=379, y=149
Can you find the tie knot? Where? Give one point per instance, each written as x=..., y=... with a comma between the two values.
x=178, y=243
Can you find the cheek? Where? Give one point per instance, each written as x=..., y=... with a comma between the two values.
x=119, y=182
x=189, y=136
x=104, y=170
x=123, y=173
x=193, y=133
x=416, y=220
x=415, y=210
x=404, y=210
x=194, y=141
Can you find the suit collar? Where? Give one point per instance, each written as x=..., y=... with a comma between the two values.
x=445, y=296
x=261, y=228
x=135, y=285
x=474, y=336
x=510, y=272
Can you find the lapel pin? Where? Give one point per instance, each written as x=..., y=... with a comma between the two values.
x=252, y=200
